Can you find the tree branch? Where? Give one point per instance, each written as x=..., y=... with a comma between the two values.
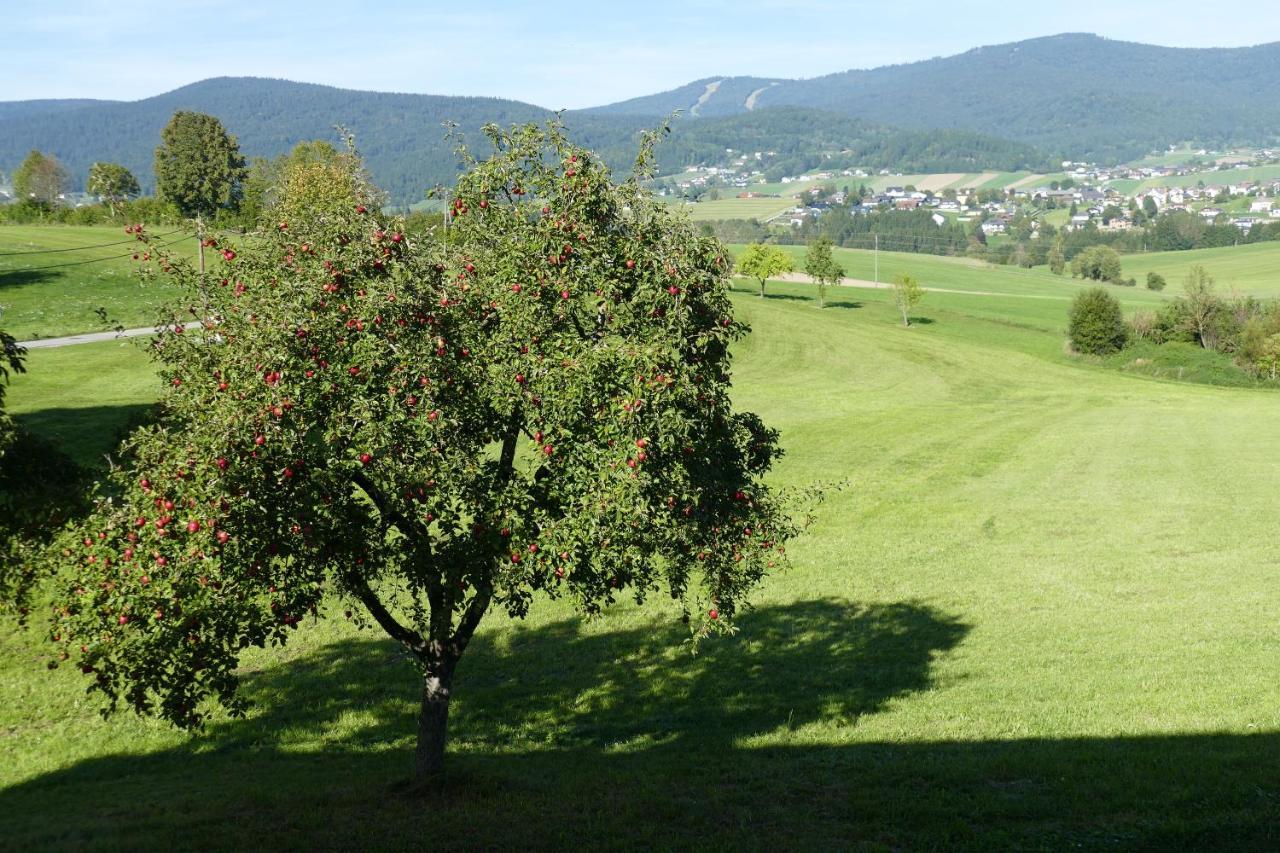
x=389, y=513
x=407, y=637
x=470, y=620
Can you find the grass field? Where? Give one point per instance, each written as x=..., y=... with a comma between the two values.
x=54, y=278
x=1042, y=616
x=1252, y=269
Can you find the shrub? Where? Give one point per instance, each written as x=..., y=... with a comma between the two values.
x=1155, y=281
x=1097, y=324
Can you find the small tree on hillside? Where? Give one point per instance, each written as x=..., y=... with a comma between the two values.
x=538, y=407
x=1096, y=323
x=1200, y=306
x=907, y=294
x=199, y=169
x=822, y=267
x=763, y=262
x=113, y=183
x=40, y=178
x=1057, y=259
x=1155, y=281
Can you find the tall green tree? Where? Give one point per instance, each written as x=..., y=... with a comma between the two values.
x=431, y=430
x=199, y=169
x=40, y=177
x=763, y=262
x=113, y=183
x=822, y=267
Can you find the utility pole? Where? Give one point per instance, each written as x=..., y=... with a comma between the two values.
x=877, y=256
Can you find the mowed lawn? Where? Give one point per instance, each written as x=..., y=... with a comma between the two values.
x=1040, y=614
x=54, y=278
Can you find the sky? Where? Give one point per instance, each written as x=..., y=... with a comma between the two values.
x=547, y=52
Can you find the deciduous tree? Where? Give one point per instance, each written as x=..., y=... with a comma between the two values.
x=822, y=267
x=907, y=294
x=40, y=177
x=1200, y=305
x=198, y=168
x=763, y=262
x=113, y=183
x=537, y=408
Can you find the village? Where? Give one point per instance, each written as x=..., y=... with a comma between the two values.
x=1223, y=188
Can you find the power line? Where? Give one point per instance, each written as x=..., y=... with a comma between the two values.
x=80, y=248
x=90, y=261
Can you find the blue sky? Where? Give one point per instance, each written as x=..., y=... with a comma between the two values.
x=555, y=54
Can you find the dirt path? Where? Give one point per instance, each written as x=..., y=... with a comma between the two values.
x=871, y=285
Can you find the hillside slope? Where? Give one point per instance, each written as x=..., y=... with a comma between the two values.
x=1087, y=96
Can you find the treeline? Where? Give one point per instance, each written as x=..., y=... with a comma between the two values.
x=1168, y=232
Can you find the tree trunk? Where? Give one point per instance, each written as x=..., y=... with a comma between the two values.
x=433, y=721
x=762, y=288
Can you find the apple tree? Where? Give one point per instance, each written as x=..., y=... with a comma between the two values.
x=536, y=406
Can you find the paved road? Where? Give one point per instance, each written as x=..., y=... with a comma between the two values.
x=89, y=338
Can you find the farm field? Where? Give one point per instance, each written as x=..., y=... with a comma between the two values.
x=1221, y=178
x=53, y=278
x=739, y=208
x=1040, y=614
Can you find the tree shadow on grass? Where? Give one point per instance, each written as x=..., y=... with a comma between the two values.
x=573, y=736
x=22, y=277
x=85, y=434
x=841, y=303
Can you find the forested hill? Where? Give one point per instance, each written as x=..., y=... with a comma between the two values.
x=403, y=139
x=1089, y=97
x=804, y=139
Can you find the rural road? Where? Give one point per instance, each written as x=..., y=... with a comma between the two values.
x=88, y=338
x=871, y=285
x=94, y=337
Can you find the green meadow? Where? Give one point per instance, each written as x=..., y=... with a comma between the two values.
x=1039, y=614
x=1252, y=269
x=54, y=278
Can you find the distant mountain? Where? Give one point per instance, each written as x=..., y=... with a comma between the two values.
x=1088, y=97
x=21, y=109
x=403, y=141
x=400, y=135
